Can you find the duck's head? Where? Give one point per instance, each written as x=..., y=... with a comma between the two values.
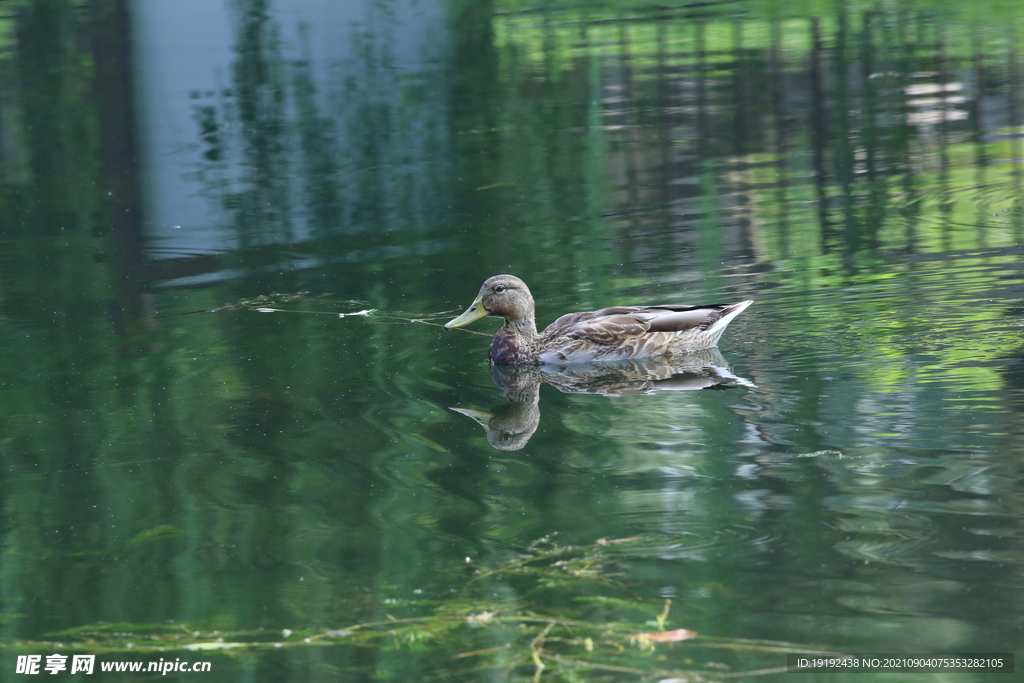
x=503, y=295
x=509, y=426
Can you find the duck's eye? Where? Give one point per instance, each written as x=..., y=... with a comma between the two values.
x=499, y=289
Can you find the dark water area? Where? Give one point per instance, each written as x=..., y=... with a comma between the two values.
x=234, y=430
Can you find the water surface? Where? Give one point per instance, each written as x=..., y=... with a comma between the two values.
x=231, y=232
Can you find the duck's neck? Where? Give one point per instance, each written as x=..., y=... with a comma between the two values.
x=523, y=328
x=512, y=343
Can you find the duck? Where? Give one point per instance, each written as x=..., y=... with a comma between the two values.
x=615, y=333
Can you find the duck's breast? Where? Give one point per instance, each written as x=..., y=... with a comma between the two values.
x=505, y=349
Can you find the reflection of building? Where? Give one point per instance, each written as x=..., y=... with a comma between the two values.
x=273, y=112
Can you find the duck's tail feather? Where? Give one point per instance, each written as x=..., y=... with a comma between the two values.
x=714, y=332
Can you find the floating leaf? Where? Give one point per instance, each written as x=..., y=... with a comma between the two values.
x=667, y=636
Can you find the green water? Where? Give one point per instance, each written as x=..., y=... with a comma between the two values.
x=227, y=431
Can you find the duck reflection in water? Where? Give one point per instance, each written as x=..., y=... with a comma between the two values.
x=510, y=425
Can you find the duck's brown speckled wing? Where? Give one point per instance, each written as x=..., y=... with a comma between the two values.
x=609, y=329
x=617, y=323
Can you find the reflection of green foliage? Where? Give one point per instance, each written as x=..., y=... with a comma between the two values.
x=997, y=11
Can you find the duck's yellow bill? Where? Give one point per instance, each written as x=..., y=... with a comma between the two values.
x=481, y=417
x=475, y=311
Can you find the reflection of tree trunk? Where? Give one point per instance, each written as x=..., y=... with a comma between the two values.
x=819, y=130
x=844, y=152
x=977, y=131
x=1014, y=87
x=119, y=156
x=867, y=67
x=47, y=66
x=702, y=110
x=264, y=212
x=664, y=121
x=631, y=153
x=779, y=110
x=472, y=105
x=945, y=199
x=7, y=175
x=624, y=105
x=876, y=184
x=905, y=131
x=740, y=117
x=552, y=86
x=319, y=154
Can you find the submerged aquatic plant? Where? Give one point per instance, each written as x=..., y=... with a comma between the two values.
x=572, y=616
